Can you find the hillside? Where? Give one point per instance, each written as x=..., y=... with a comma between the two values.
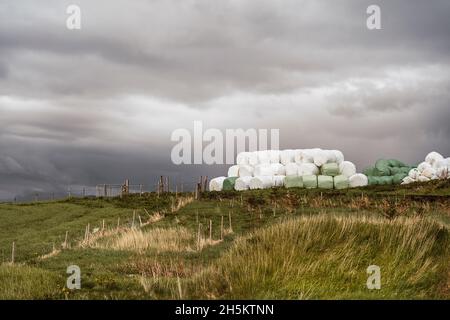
x=278, y=243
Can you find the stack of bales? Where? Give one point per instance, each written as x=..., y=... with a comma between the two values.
x=434, y=167
x=303, y=168
x=387, y=172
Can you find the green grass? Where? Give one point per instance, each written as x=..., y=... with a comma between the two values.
x=23, y=282
x=289, y=244
x=325, y=257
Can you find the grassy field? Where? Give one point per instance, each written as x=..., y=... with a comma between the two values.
x=278, y=243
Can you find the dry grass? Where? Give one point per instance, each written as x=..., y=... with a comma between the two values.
x=326, y=257
x=175, y=239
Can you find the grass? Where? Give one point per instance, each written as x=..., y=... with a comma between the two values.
x=20, y=282
x=323, y=257
x=175, y=239
x=278, y=243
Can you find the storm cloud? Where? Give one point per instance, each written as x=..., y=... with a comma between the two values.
x=98, y=105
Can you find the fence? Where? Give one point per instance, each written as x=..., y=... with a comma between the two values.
x=163, y=184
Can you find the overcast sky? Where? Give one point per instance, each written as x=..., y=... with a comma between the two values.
x=98, y=105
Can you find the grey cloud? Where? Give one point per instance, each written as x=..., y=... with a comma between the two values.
x=98, y=105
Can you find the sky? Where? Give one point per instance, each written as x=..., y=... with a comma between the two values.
x=98, y=105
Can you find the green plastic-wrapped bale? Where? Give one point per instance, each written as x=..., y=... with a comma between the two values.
x=330, y=169
x=341, y=182
x=372, y=172
x=385, y=180
x=394, y=163
x=293, y=182
x=228, y=183
x=398, y=178
x=325, y=182
x=373, y=180
x=395, y=170
x=310, y=181
x=383, y=167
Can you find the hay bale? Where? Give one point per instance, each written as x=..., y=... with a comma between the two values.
x=382, y=166
x=385, y=180
x=293, y=182
x=358, y=180
x=341, y=182
x=398, y=178
x=347, y=169
x=325, y=182
x=291, y=169
x=245, y=171
x=263, y=170
x=287, y=156
x=278, y=181
x=261, y=182
x=330, y=169
x=228, y=183
x=278, y=169
x=310, y=181
x=242, y=183
x=373, y=180
x=233, y=171
x=306, y=169
x=216, y=184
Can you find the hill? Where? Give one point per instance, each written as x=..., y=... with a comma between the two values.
x=278, y=243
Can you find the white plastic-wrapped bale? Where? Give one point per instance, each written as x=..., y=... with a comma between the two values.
x=298, y=156
x=278, y=181
x=347, y=169
x=358, y=180
x=433, y=158
x=242, y=183
x=428, y=172
x=263, y=170
x=306, y=169
x=322, y=157
x=233, y=171
x=243, y=158
x=339, y=156
x=261, y=182
x=423, y=166
x=291, y=169
x=216, y=184
x=274, y=156
x=287, y=156
x=264, y=157
x=423, y=179
x=278, y=169
x=442, y=172
x=246, y=171
x=305, y=156
x=408, y=180
x=253, y=158
x=413, y=174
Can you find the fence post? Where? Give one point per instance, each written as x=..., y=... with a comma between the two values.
x=210, y=230
x=65, y=240
x=13, y=252
x=221, y=229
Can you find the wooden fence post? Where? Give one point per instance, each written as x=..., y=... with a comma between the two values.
x=13, y=252
x=221, y=229
x=65, y=240
x=198, y=237
x=210, y=230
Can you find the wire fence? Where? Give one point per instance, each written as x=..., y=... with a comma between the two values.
x=163, y=184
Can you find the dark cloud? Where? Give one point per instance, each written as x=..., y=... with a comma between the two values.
x=99, y=104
